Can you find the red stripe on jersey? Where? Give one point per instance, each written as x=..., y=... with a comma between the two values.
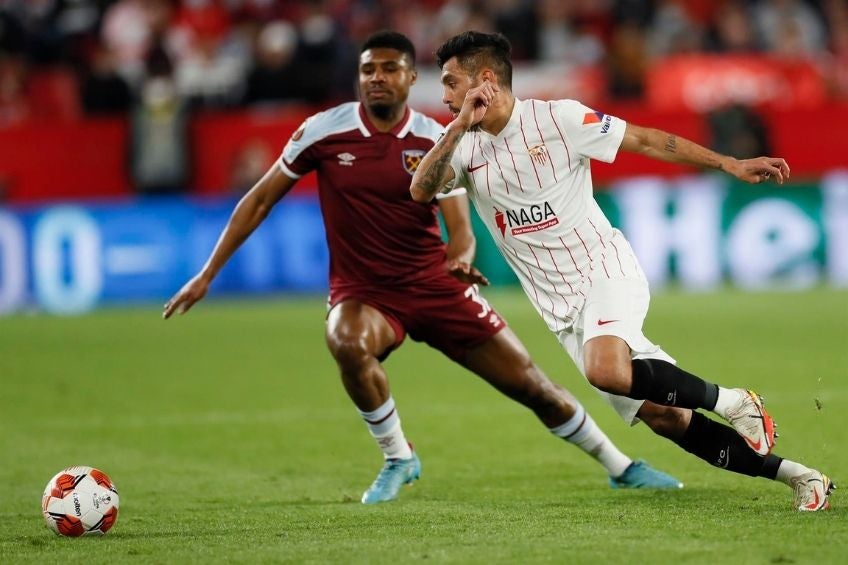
x=567, y=248
x=570, y=254
x=532, y=161
x=618, y=257
x=589, y=255
x=513, y=165
x=550, y=157
x=556, y=125
x=500, y=170
x=529, y=273
x=488, y=186
x=538, y=264
x=597, y=232
x=561, y=274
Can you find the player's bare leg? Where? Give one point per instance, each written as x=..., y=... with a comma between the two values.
x=504, y=362
x=609, y=367
x=358, y=336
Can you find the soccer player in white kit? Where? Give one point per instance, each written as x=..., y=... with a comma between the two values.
x=525, y=164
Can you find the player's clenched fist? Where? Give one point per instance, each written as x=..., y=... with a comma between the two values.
x=477, y=101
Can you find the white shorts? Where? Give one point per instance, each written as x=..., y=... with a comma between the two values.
x=614, y=307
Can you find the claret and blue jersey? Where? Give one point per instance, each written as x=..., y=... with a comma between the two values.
x=376, y=233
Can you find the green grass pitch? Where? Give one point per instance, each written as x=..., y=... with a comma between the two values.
x=230, y=438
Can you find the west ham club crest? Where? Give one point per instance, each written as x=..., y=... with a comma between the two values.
x=411, y=159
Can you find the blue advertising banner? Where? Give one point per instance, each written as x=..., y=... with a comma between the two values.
x=697, y=232
x=67, y=259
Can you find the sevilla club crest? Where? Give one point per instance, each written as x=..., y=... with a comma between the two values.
x=411, y=158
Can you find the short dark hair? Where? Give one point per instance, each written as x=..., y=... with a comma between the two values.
x=474, y=50
x=390, y=40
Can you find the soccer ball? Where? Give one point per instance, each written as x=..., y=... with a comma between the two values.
x=80, y=501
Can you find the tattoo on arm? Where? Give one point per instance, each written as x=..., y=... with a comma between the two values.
x=433, y=173
x=671, y=144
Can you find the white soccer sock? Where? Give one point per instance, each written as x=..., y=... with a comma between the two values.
x=727, y=398
x=582, y=431
x=384, y=425
x=789, y=470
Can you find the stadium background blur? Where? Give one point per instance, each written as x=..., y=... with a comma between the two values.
x=129, y=127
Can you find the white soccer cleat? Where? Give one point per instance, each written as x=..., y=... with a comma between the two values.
x=752, y=422
x=811, y=491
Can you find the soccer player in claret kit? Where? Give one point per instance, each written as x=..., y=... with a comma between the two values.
x=525, y=164
x=391, y=274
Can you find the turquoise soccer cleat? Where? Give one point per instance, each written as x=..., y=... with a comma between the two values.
x=394, y=474
x=641, y=475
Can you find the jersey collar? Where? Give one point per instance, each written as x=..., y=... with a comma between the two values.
x=513, y=119
x=400, y=130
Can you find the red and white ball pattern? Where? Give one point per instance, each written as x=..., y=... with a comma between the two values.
x=80, y=501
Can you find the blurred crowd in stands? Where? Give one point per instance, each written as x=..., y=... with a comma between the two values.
x=85, y=57
x=159, y=61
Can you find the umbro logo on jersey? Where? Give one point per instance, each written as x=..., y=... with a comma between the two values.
x=527, y=219
x=346, y=159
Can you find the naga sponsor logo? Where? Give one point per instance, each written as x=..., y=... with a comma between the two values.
x=499, y=221
x=527, y=219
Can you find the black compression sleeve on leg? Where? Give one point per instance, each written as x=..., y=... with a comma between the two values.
x=664, y=383
x=721, y=446
x=771, y=463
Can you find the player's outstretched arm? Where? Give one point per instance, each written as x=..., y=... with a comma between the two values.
x=251, y=210
x=669, y=147
x=462, y=245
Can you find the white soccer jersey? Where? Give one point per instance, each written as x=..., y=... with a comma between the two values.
x=531, y=184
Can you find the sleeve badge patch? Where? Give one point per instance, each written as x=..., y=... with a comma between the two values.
x=593, y=118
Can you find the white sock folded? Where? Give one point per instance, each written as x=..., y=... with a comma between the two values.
x=384, y=425
x=582, y=431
